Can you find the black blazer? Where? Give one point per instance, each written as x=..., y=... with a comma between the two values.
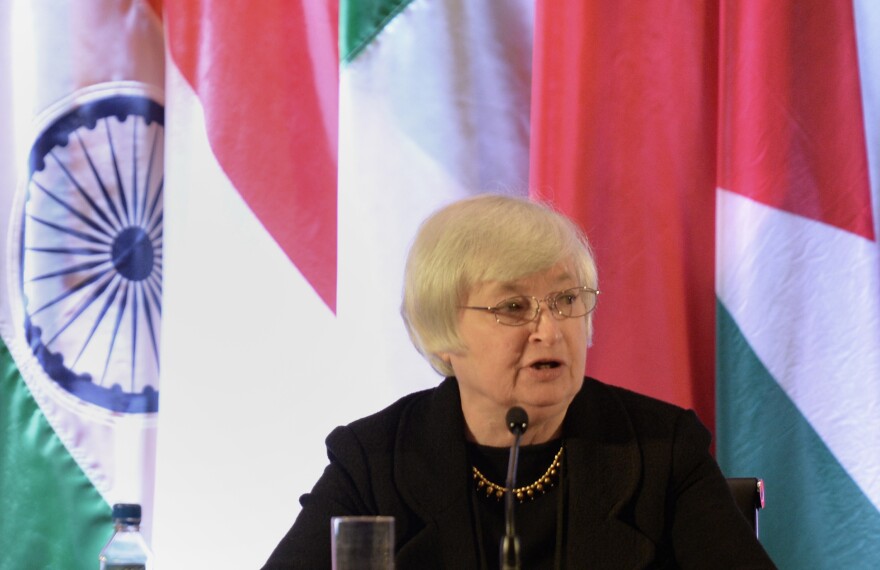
x=643, y=489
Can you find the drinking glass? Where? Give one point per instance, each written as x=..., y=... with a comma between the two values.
x=362, y=543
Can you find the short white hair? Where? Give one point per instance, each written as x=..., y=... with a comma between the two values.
x=488, y=237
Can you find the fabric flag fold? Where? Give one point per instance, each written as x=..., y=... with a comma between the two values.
x=266, y=138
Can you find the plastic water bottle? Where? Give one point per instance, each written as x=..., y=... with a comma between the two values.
x=127, y=549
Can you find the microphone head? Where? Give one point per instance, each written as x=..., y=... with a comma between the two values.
x=517, y=420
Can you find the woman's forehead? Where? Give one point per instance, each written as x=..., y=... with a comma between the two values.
x=561, y=275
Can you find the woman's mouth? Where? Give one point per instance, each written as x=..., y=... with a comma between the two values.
x=545, y=364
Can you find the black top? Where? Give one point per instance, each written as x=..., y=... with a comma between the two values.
x=538, y=522
x=641, y=488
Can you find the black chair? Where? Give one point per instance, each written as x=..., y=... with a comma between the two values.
x=748, y=492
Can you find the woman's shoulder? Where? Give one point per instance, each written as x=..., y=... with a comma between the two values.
x=660, y=429
x=381, y=428
x=391, y=414
x=641, y=410
x=597, y=388
x=594, y=389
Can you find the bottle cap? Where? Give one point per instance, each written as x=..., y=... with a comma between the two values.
x=127, y=513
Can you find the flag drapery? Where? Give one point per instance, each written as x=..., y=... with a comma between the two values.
x=221, y=51
x=80, y=301
x=799, y=278
x=251, y=211
x=624, y=131
x=722, y=157
x=248, y=340
x=654, y=120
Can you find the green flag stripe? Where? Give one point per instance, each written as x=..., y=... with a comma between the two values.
x=40, y=482
x=361, y=20
x=816, y=516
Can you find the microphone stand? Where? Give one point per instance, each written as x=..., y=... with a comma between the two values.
x=517, y=422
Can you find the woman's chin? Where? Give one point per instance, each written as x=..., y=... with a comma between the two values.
x=545, y=406
x=549, y=395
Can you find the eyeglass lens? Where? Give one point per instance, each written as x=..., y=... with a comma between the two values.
x=574, y=302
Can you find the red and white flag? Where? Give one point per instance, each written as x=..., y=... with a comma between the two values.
x=262, y=246
x=718, y=155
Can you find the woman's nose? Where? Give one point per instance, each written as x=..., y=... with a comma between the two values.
x=546, y=326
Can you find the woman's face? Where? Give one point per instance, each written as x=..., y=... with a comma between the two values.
x=538, y=365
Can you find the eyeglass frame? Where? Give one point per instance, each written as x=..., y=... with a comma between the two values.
x=550, y=300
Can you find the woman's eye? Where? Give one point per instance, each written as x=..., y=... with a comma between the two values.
x=566, y=299
x=512, y=306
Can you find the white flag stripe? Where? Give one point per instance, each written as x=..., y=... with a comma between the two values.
x=806, y=296
x=9, y=160
x=250, y=358
x=415, y=134
x=371, y=254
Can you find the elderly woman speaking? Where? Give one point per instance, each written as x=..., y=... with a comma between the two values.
x=499, y=295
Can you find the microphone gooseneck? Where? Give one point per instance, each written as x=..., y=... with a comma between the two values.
x=517, y=422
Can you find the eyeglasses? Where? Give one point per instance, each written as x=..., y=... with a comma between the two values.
x=568, y=304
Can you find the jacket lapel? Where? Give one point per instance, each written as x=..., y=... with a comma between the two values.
x=602, y=475
x=431, y=471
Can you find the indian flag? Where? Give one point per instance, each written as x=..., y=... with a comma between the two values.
x=81, y=162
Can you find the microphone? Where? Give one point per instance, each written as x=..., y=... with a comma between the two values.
x=517, y=422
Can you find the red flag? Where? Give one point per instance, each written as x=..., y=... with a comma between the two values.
x=785, y=142
x=623, y=140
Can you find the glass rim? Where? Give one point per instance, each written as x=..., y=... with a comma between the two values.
x=362, y=518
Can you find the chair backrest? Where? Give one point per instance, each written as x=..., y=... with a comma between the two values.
x=748, y=492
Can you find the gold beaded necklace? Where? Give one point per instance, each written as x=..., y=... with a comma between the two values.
x=544, y=482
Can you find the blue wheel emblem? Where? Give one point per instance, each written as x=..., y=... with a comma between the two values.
x=91, y=248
